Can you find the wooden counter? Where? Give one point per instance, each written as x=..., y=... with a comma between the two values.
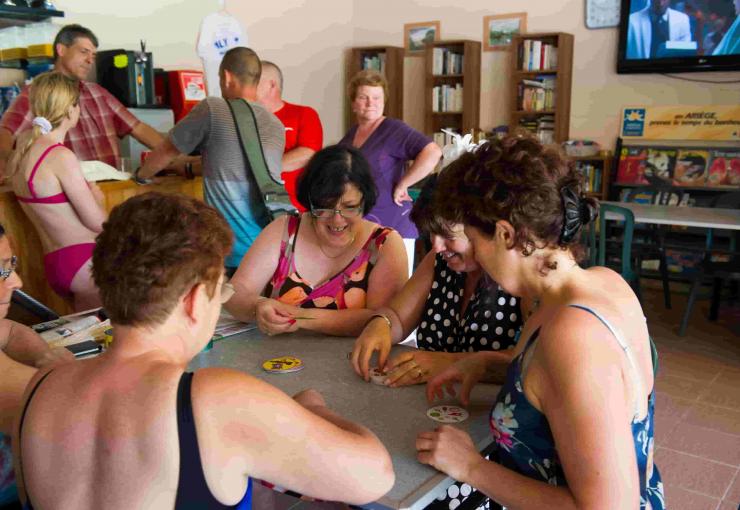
x=26, y=244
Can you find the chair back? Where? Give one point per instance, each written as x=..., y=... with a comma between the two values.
x=629, y=227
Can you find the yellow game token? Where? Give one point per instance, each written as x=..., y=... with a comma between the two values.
x=283, y=365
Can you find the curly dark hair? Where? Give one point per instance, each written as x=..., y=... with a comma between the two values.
x=424, y=212
x=519, y=180
x=152, y=249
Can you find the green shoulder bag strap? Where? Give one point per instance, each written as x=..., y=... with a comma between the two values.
x=273, y=193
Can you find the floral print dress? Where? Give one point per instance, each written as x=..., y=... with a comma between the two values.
x=525, y=443
x=346, y=289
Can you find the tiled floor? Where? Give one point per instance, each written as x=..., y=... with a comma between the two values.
x=697, y=421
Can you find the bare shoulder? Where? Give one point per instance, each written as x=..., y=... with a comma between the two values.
x=227, y=387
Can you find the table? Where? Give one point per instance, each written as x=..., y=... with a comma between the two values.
x=395, y=415
x=705, y=217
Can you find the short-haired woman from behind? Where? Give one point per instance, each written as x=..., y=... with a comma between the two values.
x=46, y=177
x=328, y=269
x=573, y=422
x=132, y=429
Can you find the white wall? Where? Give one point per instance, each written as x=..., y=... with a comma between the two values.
x=309, y=40
x=598, y=92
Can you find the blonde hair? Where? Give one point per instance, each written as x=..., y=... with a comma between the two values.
x=368, y=78
x=51, y=95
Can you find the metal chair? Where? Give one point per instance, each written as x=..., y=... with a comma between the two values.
x=651, y=239
x=625, y=258
x=718, y=270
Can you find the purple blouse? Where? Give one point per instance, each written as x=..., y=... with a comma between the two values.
x=388, y=148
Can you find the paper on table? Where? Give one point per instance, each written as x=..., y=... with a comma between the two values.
x=98, y=171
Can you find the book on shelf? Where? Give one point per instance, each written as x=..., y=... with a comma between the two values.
x=536, y=55
x=443, y=138
x=375, y=62
x=691, y=167
x=724, y=168
x=592, y=176
x=543, y=127
x=446, y=61
x=447, y=98
x=536, y=94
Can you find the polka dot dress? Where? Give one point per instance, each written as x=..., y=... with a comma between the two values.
x=490, y=322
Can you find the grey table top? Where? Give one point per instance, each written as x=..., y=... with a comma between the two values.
x=395, y=415
x=705, y=217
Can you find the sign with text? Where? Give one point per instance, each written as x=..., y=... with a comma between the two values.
x=720, y=122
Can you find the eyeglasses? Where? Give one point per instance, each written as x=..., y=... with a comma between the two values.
x=6, y=272
x=326, y=214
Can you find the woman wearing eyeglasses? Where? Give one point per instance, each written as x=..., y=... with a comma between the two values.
x=48, y=182
x=327, y=269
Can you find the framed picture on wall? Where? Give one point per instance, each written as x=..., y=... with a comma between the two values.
x=417, y=35
x=499, y=29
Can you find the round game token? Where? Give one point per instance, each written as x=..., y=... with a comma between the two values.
x=283, y=365
x=447, y=414
x=377, y=377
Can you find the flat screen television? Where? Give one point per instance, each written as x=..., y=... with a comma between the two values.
x=668, y=36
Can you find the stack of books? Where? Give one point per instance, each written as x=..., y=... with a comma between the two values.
x=534, y=55
x=543, y=126
x=447, y=98
x=445, y=61
x=592, y=176
x=537, y=94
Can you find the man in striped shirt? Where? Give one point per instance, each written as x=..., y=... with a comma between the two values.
x=103, y=119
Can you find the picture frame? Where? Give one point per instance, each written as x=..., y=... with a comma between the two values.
x=499, y=29
x=417, y=35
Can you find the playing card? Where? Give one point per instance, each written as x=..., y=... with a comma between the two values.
x=447, y=414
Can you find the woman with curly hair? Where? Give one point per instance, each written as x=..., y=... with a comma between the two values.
x=573, y=423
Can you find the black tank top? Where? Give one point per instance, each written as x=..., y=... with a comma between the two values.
x=192, y=489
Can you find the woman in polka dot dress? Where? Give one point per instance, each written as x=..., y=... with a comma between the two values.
x=452, y=305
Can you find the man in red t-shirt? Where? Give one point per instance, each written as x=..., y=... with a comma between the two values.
x=103, y=119
x=303, y=133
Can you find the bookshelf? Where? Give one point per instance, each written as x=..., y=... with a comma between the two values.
x=452, y=86
x=542, y=72
x=597, y=171
x=389, y=61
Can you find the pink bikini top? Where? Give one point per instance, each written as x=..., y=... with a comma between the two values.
x=59, y=198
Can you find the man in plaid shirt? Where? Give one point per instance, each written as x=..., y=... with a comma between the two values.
x=103, y=119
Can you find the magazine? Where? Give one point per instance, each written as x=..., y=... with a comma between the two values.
x=227, y=326
x=724, y=168
x=691, y=167
x=632, y=165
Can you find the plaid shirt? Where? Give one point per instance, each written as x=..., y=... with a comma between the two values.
x=103, y=120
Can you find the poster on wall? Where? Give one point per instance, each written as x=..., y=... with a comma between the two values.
x=721, y=122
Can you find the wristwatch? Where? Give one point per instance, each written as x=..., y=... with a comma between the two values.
x=140, y=180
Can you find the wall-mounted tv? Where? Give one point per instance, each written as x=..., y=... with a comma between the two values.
x=667, y=36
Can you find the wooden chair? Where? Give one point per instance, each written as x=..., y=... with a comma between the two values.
x=725, y=269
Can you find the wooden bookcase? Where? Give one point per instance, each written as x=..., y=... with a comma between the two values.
x=468, y=117
x=597, y=170
x=392, y=57
x=561, y=75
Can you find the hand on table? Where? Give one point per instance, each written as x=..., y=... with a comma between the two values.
x=55, y=356
x=449, y=450
x=274, y=317
x=416, y=367
x=375, y=337
x=401, y=194
x=468, y=371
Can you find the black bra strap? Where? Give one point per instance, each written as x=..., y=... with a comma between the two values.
x=20, y=440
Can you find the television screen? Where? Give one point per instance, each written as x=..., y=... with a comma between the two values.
x=679, y=36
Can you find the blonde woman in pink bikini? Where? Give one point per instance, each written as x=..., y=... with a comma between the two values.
x=66, y=210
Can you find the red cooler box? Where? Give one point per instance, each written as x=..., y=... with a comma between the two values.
x=187, y=88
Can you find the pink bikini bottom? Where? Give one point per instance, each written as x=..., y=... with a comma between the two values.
x=63, y=264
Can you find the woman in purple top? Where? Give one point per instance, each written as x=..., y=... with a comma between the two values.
x=388, y=144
